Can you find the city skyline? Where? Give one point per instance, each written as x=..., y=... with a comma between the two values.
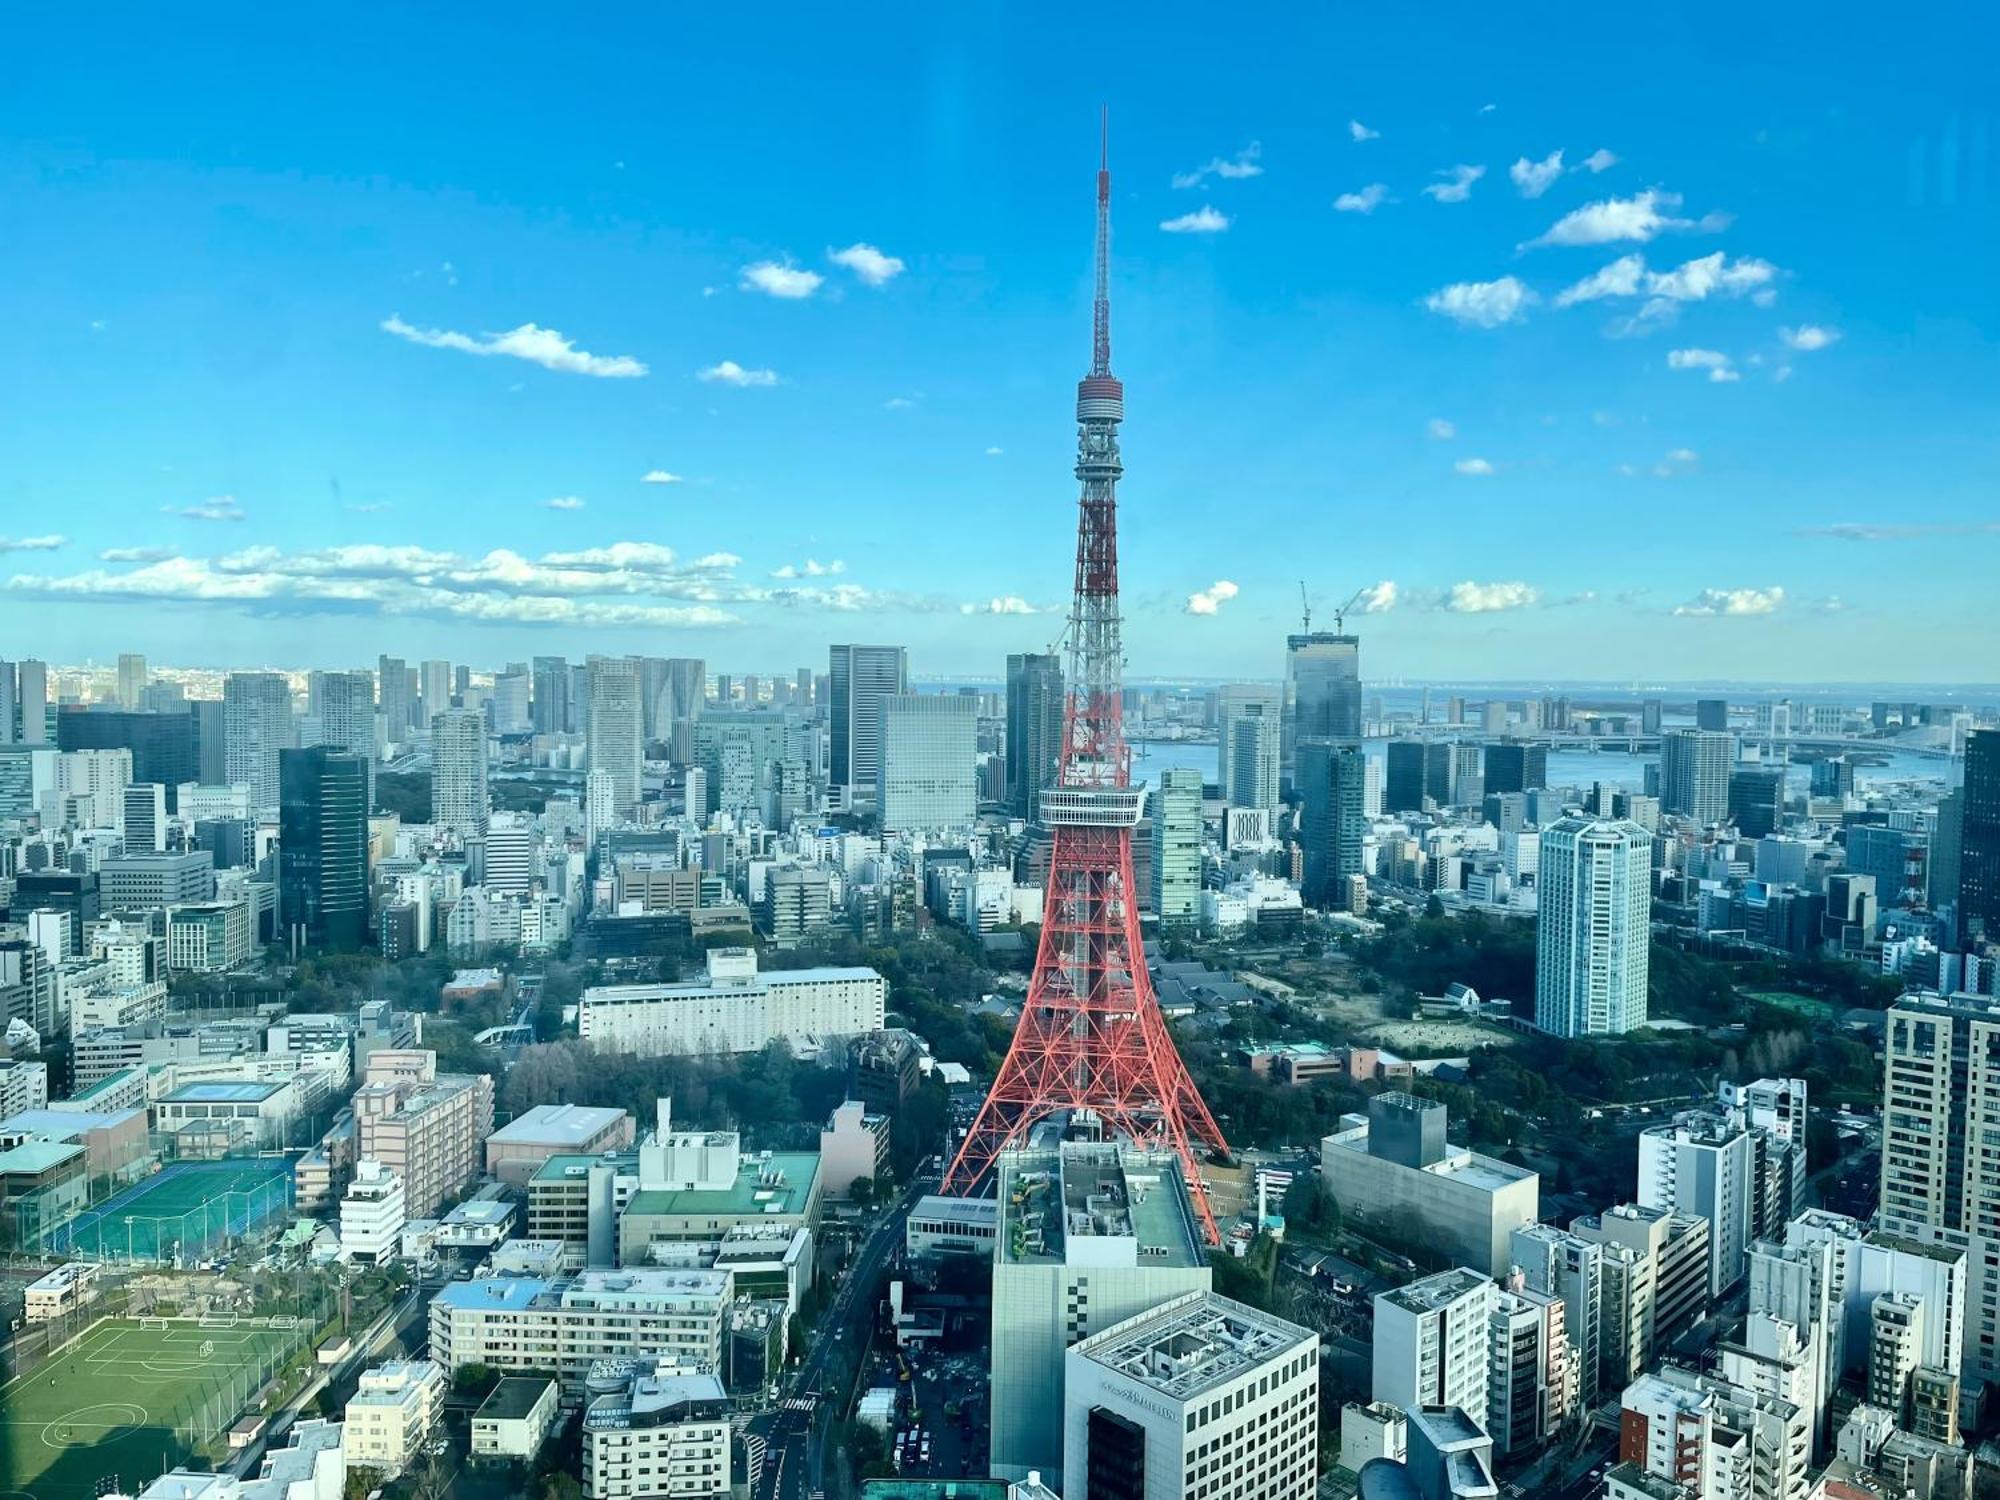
x=513, y=379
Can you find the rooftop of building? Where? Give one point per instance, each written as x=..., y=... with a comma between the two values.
x=1430, y=1293
x=935, y=1489
x=1191, y=1345
x=480, y=1212
x=656, y=1397
x=513, y=1398
x=37, y=1157
x=1488, y=1173
x=64, y=1124
x=1944, y=1255
x=1631, y=1476
x=936, y=1207
x=557, y=1124
x=221, y=1092
x=776, y=1182
x=1101, y=1191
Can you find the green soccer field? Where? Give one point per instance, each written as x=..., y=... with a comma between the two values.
x=126, y=1401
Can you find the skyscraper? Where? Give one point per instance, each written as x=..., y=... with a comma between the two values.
x=31, y=700
x=1593, y=927
x=1249, y=737
x=1332, y=826
x=392, y=692
x=1177, y=829
x=322, y=848
x=131, y=680
x=162, y=744
x=859, y=677
x=345, y=703
x=1322, y=693
x=145, y=819
x=1034, y=729
x=1405, y=775
x=1712, y=714
x=256, y=725
x=550, y=707
x=926, y=772
x=613, y=736
x=436, y=678
x=1694, y=773
x=1757, y=800
x=458, y=771
x=9, y=730
x=1978, y=839
x=1515, y=766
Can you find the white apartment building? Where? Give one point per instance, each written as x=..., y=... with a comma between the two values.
x=1431, y=1342
x=391, y=1412
x=522, y=1324
x=1199, y=1397
x=1703, y=1164
x=371, y=1214
x=1530, y=1379
x=666, y=1434
x=734, y=1009
x=1566, y=1265
x=1594, y=903
x=1719, y=1440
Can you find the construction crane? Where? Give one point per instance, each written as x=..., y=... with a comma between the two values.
x=1306, y=607
x=1339, y=613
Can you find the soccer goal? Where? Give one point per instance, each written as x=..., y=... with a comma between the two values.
x=152, y=1325
x=218, y=1320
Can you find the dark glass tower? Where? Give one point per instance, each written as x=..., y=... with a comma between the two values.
x=1979, y=839
x=322, y=848
x=1034, y=730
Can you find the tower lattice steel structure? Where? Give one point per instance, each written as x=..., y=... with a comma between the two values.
x=1091, y=1037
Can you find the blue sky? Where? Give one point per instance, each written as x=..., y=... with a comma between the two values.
x=312, y=319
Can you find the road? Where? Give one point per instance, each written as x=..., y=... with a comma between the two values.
x=796, y=1433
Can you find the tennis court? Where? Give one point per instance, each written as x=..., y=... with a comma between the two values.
x=183, y=1210
x=129, y=1398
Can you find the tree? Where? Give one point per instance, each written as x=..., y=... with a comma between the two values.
x=862, y=1191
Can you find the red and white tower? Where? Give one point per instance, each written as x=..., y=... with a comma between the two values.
x=1091, y=1036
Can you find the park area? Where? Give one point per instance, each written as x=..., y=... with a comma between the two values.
x=130, y=1398
x=182, y=1211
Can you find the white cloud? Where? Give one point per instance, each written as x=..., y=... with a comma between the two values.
x=1808, y=337
x=1210, y=600
x=899, y=403
x=1459, y=188
x=777, y=279
x=659, y=476
x=1469, y=598
x=1716, y=275
x=1482, y=304
x=1891, y=531
x=1642, y=217
x=1204, y=220
x=540, y=346
x=135, y=554
x=1535, y=178
x=810, y=568
x=871, y=265
x=1683, y=456
x=215, y=508
x=731, y=373
x=1598, y=161
x=32, y=543
x=1000, y=604
x=1376, y=599
x=1243, y=164
x=563, y=502
x=1366, y=201
x=1360, y=132
x=995, y=451
x=1692, y=281
x=1719, y=365
x=1478, y=468
x=1733, y=602
x=1619, y=279
x=1442, y=430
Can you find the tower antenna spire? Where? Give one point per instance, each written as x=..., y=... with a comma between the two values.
x=1100, y=347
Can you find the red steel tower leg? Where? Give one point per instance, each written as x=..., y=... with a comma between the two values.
x=1091, y=1036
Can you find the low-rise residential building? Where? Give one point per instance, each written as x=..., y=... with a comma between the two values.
x=372, y=1214
x=734, y=1009
x=664, y=1434
x=515, y=1419
x=524, y=1324
x=425, y=1126
x=392, y=1412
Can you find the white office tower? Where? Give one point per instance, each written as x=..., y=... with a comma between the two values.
x=459, y=799
x=90, y=786
x=509, y=853
x=1530, y=1381
x=131, y=680
x=372, y=1214
x=1704, y=1164
x=1568, y=1266
x=1090, y=1234
x=256, y=725
x=1863, y=1266
x=1177, y=829
x=145, y=819
x=1594, y=907
x=858, y=679
x=695, y=796
x=927, y=776
x=1719, y=1440
x=434, y=679
x=1200, y=1396
x=509, y=701
x=1249, y=735
x=1431, y=1342
x=662, y=1433
x=612, y=736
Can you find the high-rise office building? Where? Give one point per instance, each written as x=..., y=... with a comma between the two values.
x=1035, y=721
x=1248, y=737
x=1757, y=800
x=549, y=705
x=145, y=818
x=131, y=680
x=1322, y=693
x=393, y=698
x=858, y=679
x=614, y=737
x=1330, y=780
x=1711, y=714
x=436, y=677
x=458, y=772
x=1404, y=781
x=9, y=687
x=345, y=705
x=322, y=849
x=1978, y=839
x=1694, y=773
x=926, y=776
x=31, y=701
x=162, y=744
x=1515, y=766
x=1593, y=927
x=208, y=720
x=1177, y=831
x=256, y=727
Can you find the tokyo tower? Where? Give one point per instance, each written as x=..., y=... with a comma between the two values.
x=1091, y=1037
